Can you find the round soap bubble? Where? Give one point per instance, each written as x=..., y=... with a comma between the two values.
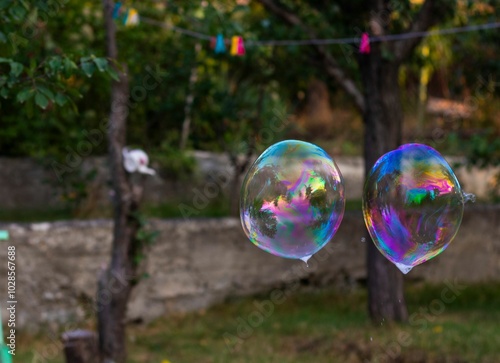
x=292, y=200
x=412, y=205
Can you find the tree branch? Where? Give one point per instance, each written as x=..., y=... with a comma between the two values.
x=432, y=12
x=332, y=68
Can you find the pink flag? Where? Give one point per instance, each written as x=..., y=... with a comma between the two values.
x=241, y=47
x=364, y=47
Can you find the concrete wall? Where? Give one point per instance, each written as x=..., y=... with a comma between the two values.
x=196, y=263
x=26, y=184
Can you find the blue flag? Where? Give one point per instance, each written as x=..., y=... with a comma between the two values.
x=220, y=46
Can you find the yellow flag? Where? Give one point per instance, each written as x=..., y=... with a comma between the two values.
x=234, y=45
x=132, y=17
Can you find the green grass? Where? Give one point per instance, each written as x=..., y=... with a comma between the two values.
x=217, y=207
x=34, y=215
x=322, y=326
x=214, y=209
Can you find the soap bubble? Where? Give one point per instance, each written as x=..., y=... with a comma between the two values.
x=292, y=200
x=412, y=205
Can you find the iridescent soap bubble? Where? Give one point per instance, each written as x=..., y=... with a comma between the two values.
x=292, y=200
x=412, y=205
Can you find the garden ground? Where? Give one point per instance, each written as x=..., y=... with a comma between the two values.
x=319, y=326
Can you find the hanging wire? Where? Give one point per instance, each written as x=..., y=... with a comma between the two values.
x=187, y=32
x=350, y=40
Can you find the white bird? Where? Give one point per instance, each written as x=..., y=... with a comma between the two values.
x=136, y=161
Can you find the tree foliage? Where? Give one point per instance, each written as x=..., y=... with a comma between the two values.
x=51, y=47
x=43, y=74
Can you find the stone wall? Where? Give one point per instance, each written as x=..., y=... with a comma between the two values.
x=196, y=263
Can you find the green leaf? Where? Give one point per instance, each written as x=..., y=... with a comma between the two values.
x=88, y=68
x=47, y=92
x=61, y=99
x=32, y=68
x=69, y=67
x=101, y=63
x=16, y=69
x=55, y=63
x=41, y=100
x=4, y=3
x=73, y=105
x=17, y=11
x=24, y=95
x=5, y=60
x=113, y=74
x=43, y=6
x=3, y=38
x=17, y=41
x=4, y=92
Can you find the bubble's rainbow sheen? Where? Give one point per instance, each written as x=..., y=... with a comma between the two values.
x=412, y=205
x=292, y=200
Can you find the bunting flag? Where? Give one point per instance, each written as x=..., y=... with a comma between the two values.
x=117, y=10
x=241, y=47
x=237, y=46
x=131, y=17
x=220, y=46
x=364, y=46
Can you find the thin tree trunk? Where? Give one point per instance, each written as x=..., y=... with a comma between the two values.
x=425, y=74
x=116, y=283
x=241, y=165
x=383, y=118
x=188, y=107
x=234, y=193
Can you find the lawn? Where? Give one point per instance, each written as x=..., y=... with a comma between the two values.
x=461, y=324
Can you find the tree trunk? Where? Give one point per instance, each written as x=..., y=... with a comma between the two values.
x=240, y=166
x=116, y=283
x=80, y=346
x=382, y=114
x=188, y=106
x=234, y=193
x=383, y=118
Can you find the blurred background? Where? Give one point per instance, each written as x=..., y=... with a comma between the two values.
x=202, y=292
